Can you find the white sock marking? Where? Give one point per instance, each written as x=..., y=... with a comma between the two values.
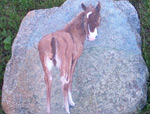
x=70, y=99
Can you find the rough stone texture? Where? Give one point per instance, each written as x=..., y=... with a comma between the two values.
x=110, y=76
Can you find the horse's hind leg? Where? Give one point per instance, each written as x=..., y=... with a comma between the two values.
x=71, y=102
x=48, y=82
x=47, y=65
x=65, y=86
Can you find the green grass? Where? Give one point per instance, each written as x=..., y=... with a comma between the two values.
x=12, y=12
x=143, y=8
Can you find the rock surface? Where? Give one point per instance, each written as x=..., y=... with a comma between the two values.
x=110, y=76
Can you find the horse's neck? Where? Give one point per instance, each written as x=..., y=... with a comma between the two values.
x=76, y=28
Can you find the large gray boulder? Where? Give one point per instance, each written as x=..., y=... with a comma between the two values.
x=110, y=76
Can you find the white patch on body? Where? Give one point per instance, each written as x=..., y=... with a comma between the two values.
x=58, y=62
x=49, y=65
x=88, y=14
x=92, y=35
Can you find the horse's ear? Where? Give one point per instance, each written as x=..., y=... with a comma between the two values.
x=83, y=6
x=98, y=7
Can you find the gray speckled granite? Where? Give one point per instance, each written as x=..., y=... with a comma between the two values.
x=110, y=76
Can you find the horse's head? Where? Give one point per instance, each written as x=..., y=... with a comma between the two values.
x=91, y=20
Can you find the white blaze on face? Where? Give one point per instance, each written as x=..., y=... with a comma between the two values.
x=92, y=35
x=88, y=14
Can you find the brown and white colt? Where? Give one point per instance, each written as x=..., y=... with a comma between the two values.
x=63, y=48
